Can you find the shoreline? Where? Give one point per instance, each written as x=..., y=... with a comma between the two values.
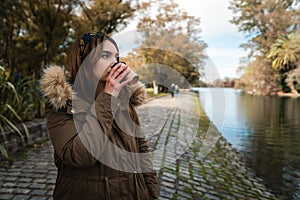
x=288, y=94
x=210, y=168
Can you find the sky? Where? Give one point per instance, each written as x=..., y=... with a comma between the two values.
x=222, y=37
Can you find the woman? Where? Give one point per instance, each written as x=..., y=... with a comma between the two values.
x=100, y=149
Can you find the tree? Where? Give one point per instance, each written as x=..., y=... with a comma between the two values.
x=106, y=15
x=264, y=20
x=11, y=14
x=172, y=39
x=37, y=33
x=47, y=27
x=259, y=78
x=293, y=79
x=285, y=54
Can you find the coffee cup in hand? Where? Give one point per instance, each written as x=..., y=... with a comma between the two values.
x=132, y=75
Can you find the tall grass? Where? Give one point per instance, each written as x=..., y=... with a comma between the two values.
x=20, y=101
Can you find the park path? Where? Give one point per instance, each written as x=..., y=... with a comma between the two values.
x=192, y=160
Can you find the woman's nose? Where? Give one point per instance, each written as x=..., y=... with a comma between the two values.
x=114, y=60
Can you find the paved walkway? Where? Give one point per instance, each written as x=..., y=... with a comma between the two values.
x=191, y=158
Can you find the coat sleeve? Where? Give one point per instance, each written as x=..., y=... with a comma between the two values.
x=81, y=143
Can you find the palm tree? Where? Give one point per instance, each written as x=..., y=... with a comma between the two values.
x=285, y=53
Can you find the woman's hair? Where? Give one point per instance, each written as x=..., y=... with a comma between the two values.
x=82, y=47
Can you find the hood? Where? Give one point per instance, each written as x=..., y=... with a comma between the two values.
x=58, y=91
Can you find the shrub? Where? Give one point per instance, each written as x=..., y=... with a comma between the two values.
x=20, y=100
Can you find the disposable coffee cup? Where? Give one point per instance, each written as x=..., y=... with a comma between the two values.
x=132, y=75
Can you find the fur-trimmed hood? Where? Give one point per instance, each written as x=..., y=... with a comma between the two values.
x=58, y=91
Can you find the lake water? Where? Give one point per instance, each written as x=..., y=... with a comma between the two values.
x=265, y=130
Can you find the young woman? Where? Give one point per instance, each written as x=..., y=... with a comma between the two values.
x=100, y=149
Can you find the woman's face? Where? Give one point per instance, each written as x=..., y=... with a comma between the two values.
x=108, y=56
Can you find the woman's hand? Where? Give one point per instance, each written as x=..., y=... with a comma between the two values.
x=113, y=84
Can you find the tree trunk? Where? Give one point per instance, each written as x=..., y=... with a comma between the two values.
x=292, y=86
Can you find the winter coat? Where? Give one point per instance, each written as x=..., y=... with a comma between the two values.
x=88, y=168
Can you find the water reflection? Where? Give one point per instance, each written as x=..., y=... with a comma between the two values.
x=266, y=130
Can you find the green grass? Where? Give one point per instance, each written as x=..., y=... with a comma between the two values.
x=150, y=93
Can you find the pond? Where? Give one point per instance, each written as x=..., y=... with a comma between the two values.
x=266, y=132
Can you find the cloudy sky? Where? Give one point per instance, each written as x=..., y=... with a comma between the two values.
x=222, y=38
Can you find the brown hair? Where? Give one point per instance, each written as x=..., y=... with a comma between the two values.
x=82, y=47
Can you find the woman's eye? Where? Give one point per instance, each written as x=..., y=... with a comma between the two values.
x=105, y=55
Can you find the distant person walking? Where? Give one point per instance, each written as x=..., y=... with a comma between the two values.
x=176, y=91
x=172, y=89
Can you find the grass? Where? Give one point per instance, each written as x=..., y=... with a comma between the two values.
x=150, y=93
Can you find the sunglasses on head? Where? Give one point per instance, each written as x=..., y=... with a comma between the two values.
x=86, y=38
